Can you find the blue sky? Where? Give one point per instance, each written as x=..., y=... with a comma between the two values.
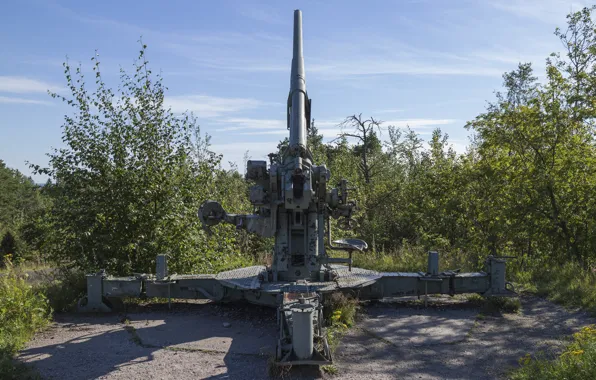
x=421, y=63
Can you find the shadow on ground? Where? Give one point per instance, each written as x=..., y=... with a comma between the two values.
x=188, y=342
x=392, y=341
x=451, y=342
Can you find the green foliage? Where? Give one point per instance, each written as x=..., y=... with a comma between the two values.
x=537, y=144
x=63, y=288
x=18, y=197
x=21, y=204
x=130, y=179
x=524, y=187
x=132, y=174
x=342, y=309
x=330, y=369
x=568, y=284
x=577, y=362
x=8, y=246
x=339, y=313
x=23, y=311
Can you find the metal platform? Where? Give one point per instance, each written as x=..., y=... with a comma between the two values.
x=242, y=278
x=252, y=278
x=251, y=284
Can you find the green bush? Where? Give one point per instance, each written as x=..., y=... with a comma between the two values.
x=23, y=311
x=577, y=362
x=63, y=289
x=8, y=246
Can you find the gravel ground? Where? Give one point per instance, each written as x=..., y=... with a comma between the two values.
x=447, y=340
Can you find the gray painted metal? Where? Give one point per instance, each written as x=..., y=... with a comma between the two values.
x=302, y=331
x=295, y=206
x=433, y=263
x=161, y=270
x=297, y=99
x=250, y=284
x=94, y=300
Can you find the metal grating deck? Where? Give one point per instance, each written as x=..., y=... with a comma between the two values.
x=247, y=279
x=358, y=277
x=242, y=278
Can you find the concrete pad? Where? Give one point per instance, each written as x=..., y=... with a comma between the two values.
x=396, y=341
x=78, y=347
x=86, y=347
x=204, y=332
x=445, y=342
x=412, y=327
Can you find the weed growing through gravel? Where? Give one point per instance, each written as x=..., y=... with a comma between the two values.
x=340, y=315
x=491, y=305
x=577, y=362
x=276, y=371
x=330, y=369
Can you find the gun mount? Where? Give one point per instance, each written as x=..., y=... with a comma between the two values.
x=292, y=197
x=294, y=204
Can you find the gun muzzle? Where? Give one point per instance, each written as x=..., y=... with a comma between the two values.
x=298, y=102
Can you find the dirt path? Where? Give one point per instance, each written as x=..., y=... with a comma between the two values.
x=446, y=340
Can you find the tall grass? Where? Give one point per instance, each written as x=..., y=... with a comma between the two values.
x=569, y=285
x=412, y=258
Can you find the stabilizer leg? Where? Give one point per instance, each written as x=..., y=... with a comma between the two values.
x=93, y=302
x=302, y=339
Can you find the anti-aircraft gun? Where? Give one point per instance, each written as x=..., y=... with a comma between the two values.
x=292, y=197
x=294, y=204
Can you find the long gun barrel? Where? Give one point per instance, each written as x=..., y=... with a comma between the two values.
x=298, y=102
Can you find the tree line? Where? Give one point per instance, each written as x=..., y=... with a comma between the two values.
x=132, y=175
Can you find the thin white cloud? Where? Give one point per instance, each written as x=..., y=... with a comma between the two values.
x=459, y=145
x=388, y=66
x=23, y=85
x=266, y=15
x=548, y=11
x=340, y=68
x=234, y=152
x=333, y=60
x=507, y=56
x=418, y=123
x=328, y=123
x=274, y=127
x=281, y=132
x=331, y=128
x=205, y=106
x=328, y=59
x=14, y=100
x=340, y=58
x=397, y=110
x=230, y=38
x=240, y=124
x=414, y=123
x=257, y=148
